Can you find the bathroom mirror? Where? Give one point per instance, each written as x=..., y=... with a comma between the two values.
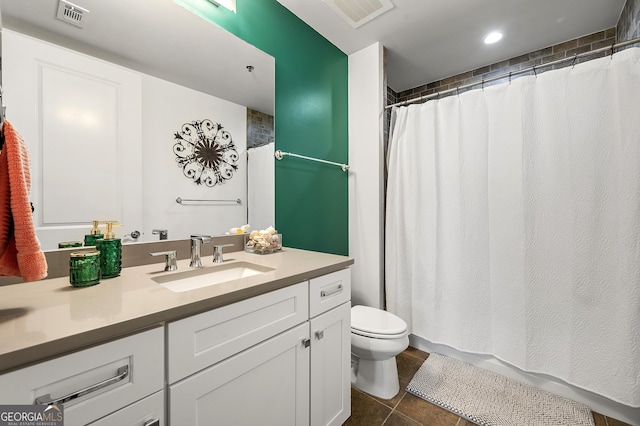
x=161, y=39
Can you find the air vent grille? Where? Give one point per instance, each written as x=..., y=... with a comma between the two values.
x=359, y=12
x=71, y=13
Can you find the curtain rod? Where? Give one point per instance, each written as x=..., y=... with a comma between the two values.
x=575, y=57
x=279, y=154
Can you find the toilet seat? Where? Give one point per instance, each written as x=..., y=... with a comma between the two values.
x=376, y=323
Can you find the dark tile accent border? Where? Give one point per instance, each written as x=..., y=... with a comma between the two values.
x=549, y=54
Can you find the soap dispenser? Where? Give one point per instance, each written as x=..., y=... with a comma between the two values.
x=93, y=235
x=110, y=249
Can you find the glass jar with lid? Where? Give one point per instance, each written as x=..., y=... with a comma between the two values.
x=84, y=268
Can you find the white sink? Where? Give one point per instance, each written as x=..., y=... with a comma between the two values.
x=204, y=277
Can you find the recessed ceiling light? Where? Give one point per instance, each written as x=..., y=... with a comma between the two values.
x=492, y=38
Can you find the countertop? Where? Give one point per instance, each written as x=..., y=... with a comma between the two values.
x=45, y=319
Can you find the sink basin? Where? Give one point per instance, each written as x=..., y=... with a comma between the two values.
x=204, y=277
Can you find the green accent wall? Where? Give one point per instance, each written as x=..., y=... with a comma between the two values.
x=311, y=118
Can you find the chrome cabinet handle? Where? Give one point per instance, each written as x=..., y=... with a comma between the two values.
x=153, y=422
x=122, y=374
x=319, y=335
x=332, y=292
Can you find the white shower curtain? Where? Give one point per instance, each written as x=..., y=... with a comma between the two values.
x=513, y=223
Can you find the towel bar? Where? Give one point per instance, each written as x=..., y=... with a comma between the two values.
x=180, y=200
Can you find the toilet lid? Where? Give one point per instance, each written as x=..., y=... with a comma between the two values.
x=376, y=321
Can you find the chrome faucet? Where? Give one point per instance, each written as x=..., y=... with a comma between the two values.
x=196, y=244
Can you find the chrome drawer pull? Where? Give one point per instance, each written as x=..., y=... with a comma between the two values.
x=122, y=374
x=154, y=422
x=332, y=292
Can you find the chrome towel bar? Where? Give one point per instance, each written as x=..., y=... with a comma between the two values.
x=180, y=200
x=280, y=154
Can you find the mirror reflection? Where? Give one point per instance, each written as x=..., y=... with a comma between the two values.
x=128, y=108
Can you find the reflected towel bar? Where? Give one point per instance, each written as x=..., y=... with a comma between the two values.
x=279, y=154
x=186, y=200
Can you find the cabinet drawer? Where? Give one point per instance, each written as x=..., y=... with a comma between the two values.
x=199, y=341
x=129, y=368
x=328, y=291
x=146, y=412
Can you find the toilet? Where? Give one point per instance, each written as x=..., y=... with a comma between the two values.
x=377, y=336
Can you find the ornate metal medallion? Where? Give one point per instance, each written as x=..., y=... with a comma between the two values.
x=206, y=152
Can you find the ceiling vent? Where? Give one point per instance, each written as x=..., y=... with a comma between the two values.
x=69, y=12
x=359, y=12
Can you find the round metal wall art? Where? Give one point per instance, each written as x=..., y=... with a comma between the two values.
x=205, y=152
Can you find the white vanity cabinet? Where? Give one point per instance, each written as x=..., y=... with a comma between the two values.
x=330, y=311
x=267, y=384
x=265, y=360
x=250, y=362
x=97, y=382
x=146, y=412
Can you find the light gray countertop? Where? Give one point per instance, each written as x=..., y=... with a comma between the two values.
x=44, y=319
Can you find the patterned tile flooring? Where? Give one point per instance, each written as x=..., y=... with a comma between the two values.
x=407, y=410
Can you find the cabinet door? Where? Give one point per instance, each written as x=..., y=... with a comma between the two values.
x=267, y=384
x=331, y=366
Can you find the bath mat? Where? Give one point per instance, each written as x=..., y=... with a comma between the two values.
x=489, y=399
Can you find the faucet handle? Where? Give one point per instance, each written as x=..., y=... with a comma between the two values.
x=170, y=261
x=217, y=252
x=204, y=239
x=164, y=233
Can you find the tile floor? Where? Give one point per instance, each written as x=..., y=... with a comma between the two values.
x=407, y=410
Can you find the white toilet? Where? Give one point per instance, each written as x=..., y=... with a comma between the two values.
x=377, y=336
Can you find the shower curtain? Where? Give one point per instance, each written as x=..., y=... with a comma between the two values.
x=513, y=223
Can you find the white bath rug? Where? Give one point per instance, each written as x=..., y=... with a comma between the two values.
x=489, y=399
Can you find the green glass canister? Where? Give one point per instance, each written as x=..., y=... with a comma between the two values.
x=69, y=244
x=84, y=268
x=110, y=249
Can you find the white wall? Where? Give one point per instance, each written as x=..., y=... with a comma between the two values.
x=366, y=161
x=165, y=108
x=261, y=186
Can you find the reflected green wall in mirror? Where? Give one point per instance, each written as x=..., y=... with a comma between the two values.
x=311, y=119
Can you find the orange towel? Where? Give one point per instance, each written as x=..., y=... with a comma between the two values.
x=20, y=253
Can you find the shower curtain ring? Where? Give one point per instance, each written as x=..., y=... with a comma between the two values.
x=509, y=77
x=575, y=58
x=535, y=73
x=613, y=48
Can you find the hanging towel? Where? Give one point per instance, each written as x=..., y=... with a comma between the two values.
x=20, y=253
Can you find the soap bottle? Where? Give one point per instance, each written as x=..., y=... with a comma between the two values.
x=93, y=235
x=110, y=249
